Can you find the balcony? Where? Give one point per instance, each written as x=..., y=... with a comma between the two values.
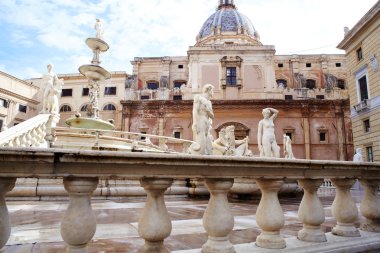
x=364, y=104
x=82, y=170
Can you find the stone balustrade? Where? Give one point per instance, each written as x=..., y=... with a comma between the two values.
x=81, y=171
x=35, y=132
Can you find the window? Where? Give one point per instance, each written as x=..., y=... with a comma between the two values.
x=180, y=66
x=109, y=107
x=290, y=132
x=84, y=108
x=288, y=97
x=231, y=76
x=282, y=83
x=177, y=97
x=338, y=64
x=65, y=108
x=320, y=96
x=67, y=92
x=110, y=91
x=85, y=91
x=369, y=154
x=341, y=84
x=142, y=137
x=1, y=124
x=367, y=126
x=152, y=85
x=3, y=103
x=363, y=88
x=280, y=65
x=177, y=135
x=308, y=65
x=310, y=83
x=322, y=136
x=145, y=97
x=290, y=135
x=22, y=108
x=359, y=54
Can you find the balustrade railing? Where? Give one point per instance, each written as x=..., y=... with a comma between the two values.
x=34, y=132
x=81, y=171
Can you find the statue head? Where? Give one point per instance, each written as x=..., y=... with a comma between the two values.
x=266, y=113
x=50, y=67
x=208, y=89
x=359, y=151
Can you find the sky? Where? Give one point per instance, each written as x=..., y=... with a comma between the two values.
x=34, y=33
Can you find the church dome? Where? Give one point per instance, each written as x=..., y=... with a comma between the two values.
x=227, y=21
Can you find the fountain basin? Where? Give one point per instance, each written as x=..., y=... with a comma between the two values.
x=89, y=123
x=97, y=44
x=94, y=72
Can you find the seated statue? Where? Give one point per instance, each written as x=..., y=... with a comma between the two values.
x=288, y=152
x=358, y=157
x=227, y=145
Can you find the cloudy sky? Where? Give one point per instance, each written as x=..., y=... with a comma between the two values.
x=36, y=32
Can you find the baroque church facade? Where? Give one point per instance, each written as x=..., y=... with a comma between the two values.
x=308, y=90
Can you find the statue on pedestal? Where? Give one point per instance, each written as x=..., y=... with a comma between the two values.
x=99, y=29
x=52, y=90
x=266, y=137
x=288, y=152
x=202, y=122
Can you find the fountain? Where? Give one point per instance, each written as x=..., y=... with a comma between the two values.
x=96, y=75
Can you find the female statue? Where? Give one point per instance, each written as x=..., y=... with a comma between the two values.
x=265, y=135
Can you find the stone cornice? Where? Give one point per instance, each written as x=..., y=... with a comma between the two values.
x=372, y=14
x=19, y=80
x=12, y=94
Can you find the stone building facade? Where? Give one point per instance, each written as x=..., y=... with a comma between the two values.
x=18, y=100
x=309, y=90
x=362, y=46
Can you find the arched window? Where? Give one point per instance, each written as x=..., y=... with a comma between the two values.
x=311, y=84
x=65, y=108
x=84, y=108
x=179, y=83
x=109, y=107
x=282, y=83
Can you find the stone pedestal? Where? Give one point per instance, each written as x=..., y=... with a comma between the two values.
x=6, y=185
x=218, y=220
x=311, y=212
x=344, y=209
x=154, y=223
x=79, y=222
x=370, y=206
x=269, y=215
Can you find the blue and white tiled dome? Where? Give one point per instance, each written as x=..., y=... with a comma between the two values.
x=227, y=19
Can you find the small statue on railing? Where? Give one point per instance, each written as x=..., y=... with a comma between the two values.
x=266, y=137
x=227, y=145
x=202, y=122
x=52, y=91
x=358, y=157
x=288, y=152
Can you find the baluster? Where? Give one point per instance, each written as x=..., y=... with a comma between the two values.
x=40, y=134
x=370, y=206
x=344, y=209
x=269, y=215
x=218, y=220
x=311, y=212
x=79, y=221
x=34, y=138
x=154, y=223
x=17, y=142
x=6, y=185
x=23, y=141
x=28, y=138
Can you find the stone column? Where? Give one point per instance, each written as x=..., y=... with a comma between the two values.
x=154, y=223
x=79, y=222
x=6, y=185
x=344, y=209
x=370, y=206
x=306, y=130
x=218, y=220
x=311, y=212
x=269, y=215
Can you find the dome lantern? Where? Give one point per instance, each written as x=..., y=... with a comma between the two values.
x=225, y=3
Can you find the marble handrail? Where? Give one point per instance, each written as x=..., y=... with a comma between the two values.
x=81, y=171
x=30, y=133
